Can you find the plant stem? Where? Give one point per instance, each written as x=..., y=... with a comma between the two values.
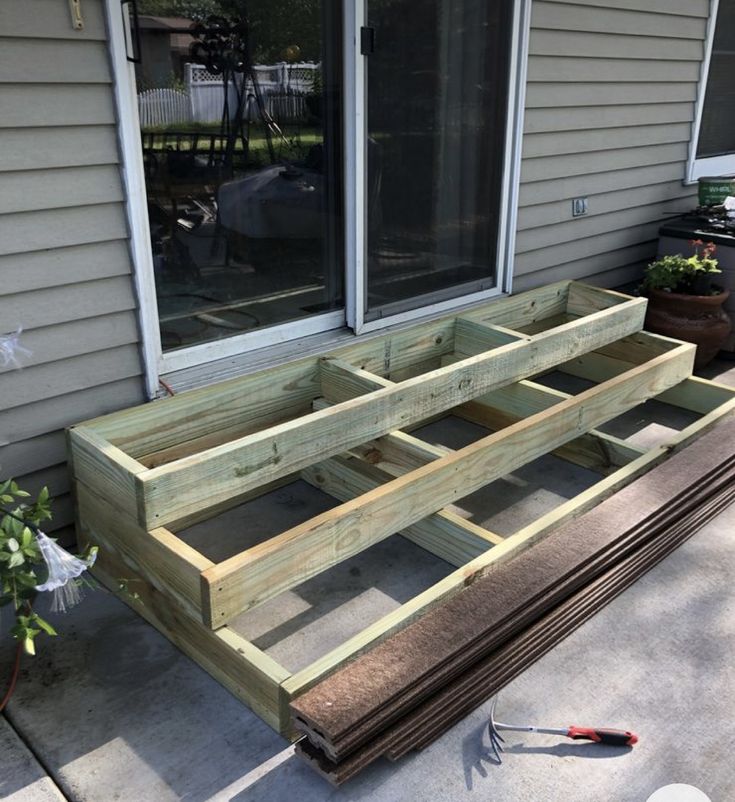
x=13, y=677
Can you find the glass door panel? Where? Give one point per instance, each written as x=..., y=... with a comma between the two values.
x=437, y=87
x=240, y=104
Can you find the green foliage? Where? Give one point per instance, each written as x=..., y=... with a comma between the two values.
x=21, y=565
x=689, y=275
x=281, y=30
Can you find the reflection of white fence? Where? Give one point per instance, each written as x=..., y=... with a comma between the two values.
x=163, y=107
x=283, y=87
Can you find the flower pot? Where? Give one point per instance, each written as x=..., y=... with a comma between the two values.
x=698, y=319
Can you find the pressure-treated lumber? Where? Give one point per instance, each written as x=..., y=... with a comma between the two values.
x=247, y=672
x=340, y=717
x=120, y=456
x=260, y=573
x=204, y=479
x=176, y=565
x=444, y=533
x=512, y=545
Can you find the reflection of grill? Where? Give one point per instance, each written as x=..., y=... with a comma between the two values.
x=675, y=238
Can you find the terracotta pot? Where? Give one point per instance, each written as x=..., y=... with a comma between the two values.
x=698, y=319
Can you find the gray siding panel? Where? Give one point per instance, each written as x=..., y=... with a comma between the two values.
x=584, y=164
x=548, y=143
x=550, y=191
x=34, y=454
x=50, y=306
x=610, y=101
x=38, y=270
x=64, y=255
x=584, y=118
x=551, y=95
x=670, y=196
x=578, y=17
x=77, y=337
x=27, y=191
x=77, y=62
x=67, y=376
x=58, y=228
x=49, y=415
x=46, y=148
x=50, y=19
x=687, y=8
x=562, y=68
x=55, y=105
x=608, y=45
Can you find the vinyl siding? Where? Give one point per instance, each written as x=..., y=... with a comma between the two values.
x=612, y=86
x=65, y=272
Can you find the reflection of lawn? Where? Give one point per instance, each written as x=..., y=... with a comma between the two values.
x=292, y=146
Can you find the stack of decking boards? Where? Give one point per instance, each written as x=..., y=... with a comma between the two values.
x=412, y=687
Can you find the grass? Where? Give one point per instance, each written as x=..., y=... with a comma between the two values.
x=294, y=145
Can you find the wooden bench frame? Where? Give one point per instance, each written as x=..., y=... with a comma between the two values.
x=341, y=422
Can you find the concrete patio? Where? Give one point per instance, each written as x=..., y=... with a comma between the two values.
x=113, y=711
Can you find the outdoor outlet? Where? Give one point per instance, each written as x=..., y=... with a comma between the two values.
x=579, y=207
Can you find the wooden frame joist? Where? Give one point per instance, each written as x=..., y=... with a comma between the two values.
x=342, y=421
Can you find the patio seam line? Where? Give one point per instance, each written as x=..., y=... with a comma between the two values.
x=58, y=785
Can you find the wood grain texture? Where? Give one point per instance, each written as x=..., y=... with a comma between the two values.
x=262, y=572
x=205, y=479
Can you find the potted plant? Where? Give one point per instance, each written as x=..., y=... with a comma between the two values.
x=684, y=303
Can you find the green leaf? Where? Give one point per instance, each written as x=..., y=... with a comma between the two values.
x=45, y=626
x=12, y=544
x=16, y=559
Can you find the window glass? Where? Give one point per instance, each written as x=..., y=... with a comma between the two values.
x=717, y=131
x=240, y=110
x=437, y=106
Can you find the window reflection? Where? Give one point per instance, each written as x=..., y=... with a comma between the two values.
x=437, y=102
x=239, y=105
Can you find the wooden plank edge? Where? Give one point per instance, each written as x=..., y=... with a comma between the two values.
x=302, y=680
x=205, y=479
x=251, y=577
x=248, y=673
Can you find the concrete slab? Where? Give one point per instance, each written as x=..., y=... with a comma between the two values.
x=117, y=713
x=23, y=779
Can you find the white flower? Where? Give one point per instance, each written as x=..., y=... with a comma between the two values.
x=63, y=569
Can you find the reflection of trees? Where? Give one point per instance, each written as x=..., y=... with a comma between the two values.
x=280, y=30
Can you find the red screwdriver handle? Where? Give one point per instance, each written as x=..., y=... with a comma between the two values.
x=603, y=736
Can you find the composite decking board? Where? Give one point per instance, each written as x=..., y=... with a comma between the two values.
x=260, y=573
x=584, y=607
x=428, y=719
x=436, y=715
x=398, y=661
x=202, y=480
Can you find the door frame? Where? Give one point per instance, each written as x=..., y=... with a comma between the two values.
x=356, y=126
x=158, y=363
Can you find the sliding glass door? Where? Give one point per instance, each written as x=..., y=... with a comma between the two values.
x=314, y=163
x=437, y=87
x=240, y=107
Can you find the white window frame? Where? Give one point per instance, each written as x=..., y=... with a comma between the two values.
x=158, y=363
x=712, y=165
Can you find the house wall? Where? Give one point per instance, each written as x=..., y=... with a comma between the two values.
x=611, y=94
x=64, y=260
x=610, y=100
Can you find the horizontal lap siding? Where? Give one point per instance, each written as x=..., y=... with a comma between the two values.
x=610, y=100
x=65, y=273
